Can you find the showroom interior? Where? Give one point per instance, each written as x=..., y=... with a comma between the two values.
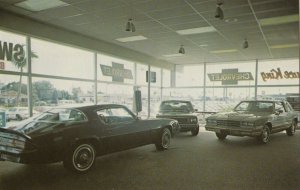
x=213, y=53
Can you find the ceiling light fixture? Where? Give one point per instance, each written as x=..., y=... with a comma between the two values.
x=245, y=44
x=130, y=26
x=199, y=30
x=39, y=5
x=224, y=51
x=181, y=50
x=282, y=46
x=219, y=12
x=279, y=20
x=173, y=55
x=132, y=38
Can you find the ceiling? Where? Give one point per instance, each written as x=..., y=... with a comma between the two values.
x=158, y=21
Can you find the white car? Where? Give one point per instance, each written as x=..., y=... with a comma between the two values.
x=17, y=113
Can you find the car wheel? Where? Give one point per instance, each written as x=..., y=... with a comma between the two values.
x=195, y=131
x=19, y=118
x=81, y=158
x=265, y=134
x=164, y=140
x=292, y=129
x=221, y=136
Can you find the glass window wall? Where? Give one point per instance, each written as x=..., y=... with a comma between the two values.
x=60, y=60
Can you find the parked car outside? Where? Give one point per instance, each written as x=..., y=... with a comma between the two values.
x=255, y=119
x=182, y=111
x=17, y=113
x=77, y=135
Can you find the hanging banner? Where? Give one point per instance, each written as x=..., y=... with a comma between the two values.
x=152, y=77
x=116, y=71
x=230, y=76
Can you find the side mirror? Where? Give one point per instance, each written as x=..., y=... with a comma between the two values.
x=278, y=112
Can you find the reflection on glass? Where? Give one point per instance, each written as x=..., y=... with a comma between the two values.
x=189, y=75
x=60, y=60
x=48, y=93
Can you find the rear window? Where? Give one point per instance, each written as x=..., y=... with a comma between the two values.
x=62, y=115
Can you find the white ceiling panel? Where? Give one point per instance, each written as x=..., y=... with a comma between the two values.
x=158, y=21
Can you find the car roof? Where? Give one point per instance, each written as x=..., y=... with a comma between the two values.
x=271, y=101
x=89, y=107
x=187, y=101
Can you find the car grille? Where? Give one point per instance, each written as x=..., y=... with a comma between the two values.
x=181, y=120
x=228, y=123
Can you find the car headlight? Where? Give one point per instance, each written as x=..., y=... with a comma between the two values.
x=194, y=120
x=211, y=121
x=247, y=124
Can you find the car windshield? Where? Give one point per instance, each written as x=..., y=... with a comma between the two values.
x=176, y=106
x=60, y=115
x=255, y=106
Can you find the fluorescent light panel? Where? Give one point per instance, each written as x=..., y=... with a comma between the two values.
x=39, y=5
x=282, y=46
x=279, y=20
x=173, y=55
x=132, y=38
x=196, y=30
x=224, y=51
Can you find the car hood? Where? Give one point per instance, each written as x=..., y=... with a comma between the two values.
x=172, y=114
x=156, y=123
x=240, y=116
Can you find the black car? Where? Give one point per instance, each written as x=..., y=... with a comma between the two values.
x=77, y=135
x=182, y=111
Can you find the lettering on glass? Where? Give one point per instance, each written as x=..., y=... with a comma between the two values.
x=11, y=52
x=117, y=72
x=230, y=76
x=277, y=74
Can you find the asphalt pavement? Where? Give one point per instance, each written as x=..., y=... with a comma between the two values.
x=201, y=162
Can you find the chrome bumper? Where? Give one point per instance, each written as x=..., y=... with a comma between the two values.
x=235, y=131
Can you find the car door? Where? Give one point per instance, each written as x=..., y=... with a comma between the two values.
x=121, y=130
x=279, y=121
x=290, y=114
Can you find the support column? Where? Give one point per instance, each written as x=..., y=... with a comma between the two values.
x=29, y=78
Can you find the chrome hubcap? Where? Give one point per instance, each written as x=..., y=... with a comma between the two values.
x=83, y=157
x=265, y=135
x=293, y=127
x=166, y=140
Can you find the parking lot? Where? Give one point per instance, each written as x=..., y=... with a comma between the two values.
x=201, y=162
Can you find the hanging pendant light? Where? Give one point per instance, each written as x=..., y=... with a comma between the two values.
x=130, y=26
x=245, y=44
x=219, y=12
x=181, y=50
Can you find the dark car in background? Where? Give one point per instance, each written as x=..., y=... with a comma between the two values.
x=77, y=135
x=182, y=111
x=255, y=119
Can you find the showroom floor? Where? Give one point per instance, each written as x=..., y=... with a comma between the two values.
x=201, y=162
